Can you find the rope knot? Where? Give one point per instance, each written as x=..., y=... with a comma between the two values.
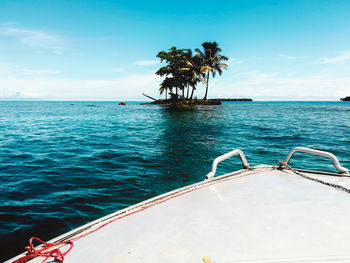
x=44, y=251
x=283, y=165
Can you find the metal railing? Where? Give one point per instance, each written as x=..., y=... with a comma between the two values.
x=224, y=157
x=341, y=169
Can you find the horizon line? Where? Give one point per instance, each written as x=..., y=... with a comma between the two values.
x=36, y=100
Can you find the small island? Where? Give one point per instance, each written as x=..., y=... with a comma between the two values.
x=345, y=99
x=182, y=73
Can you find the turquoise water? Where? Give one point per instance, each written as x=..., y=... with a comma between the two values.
x=63, y=164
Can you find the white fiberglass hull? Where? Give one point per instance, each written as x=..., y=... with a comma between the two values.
x=259, y=215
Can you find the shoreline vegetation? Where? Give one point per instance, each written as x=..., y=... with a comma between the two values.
x=345, y=98
x=183, y=71
x=187, y=103
x=183, y=104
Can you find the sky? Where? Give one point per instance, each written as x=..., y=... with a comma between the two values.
x=106, y=50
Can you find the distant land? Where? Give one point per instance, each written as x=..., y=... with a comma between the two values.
x=345, y=99
x=236, y=99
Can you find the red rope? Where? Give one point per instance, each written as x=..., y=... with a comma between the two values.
x=44, y=251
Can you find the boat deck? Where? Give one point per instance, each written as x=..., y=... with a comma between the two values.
x=259, y=215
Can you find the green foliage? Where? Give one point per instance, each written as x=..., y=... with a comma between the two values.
x=183, y=71
x=212, y=60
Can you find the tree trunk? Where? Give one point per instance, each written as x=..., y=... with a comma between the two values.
x=188, y=89
x=149, y=97
x=166, y=94
x=183, y=92
x=192, y=93
x=206, y=88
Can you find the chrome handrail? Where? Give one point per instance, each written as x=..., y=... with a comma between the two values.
x=225, y=156
x=341, y=169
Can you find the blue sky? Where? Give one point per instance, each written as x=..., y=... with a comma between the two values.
x=106, y=50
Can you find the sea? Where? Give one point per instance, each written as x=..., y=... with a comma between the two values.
x=63, y=164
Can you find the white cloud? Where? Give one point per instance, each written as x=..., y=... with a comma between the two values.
x=256, y=75
x=8, y=70
x=39, y=72
x=48, y=85
x=130, y=87
x=5, y=69
x=35, y=38
x=146, y=62
x=20, y=95
x=118, y=70
x=233, y=61
x=253, y=84
x=339, y=59
x=290, y=57
x=9, y=23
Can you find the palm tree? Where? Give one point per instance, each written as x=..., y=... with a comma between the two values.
x=167, y=84
x=174, y=77
x=193, y=70
x=212, y=60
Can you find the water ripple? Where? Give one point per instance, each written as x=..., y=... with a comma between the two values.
x=63, y=165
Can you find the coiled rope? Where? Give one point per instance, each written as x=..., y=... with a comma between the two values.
x=44, y=251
